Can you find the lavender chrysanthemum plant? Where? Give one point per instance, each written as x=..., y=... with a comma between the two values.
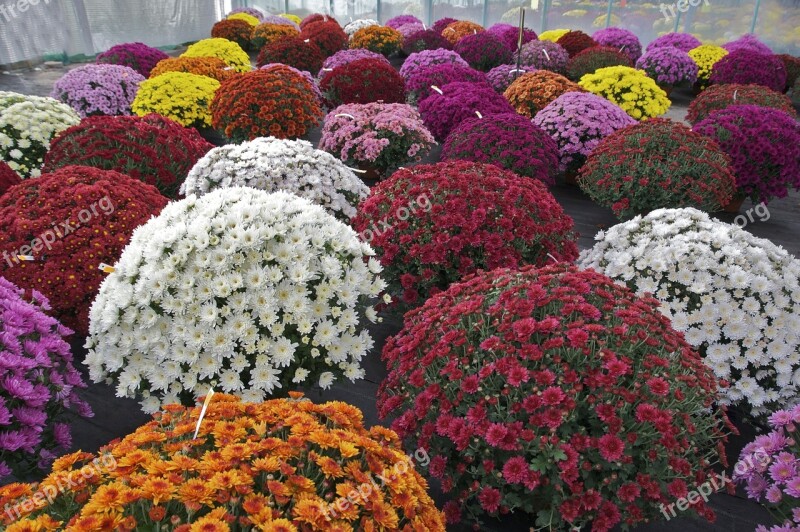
x=500, y=77
x=342, y=57
x=426, y=58
x=668, y=66
x=681, y=41
x=544, y=55
x=623, y=40
x=38, y=383
x=98, y=89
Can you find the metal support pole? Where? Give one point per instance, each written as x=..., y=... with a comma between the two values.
x=755, y=17
x=677, y=21
x=485, y=13
x=545, y=10
x=378, y=11
x=608, y=13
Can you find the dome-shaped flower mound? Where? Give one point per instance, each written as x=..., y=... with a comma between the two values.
x=259, y=291
x=329, y=36
x=38, y=383
x=363, y=81
x=152, y=148
x=236, y=30
x=455, y=31
x=623, y=40
x=287, y=462
x=547, y=380
x=342, y=57
x=426, y=58
x=705, y=57
x=421, y=83
x=530, y=93
x=509, y=141
x=668, y=66
x=294, y=52
x=399, y=20
x=316, y=17
x=575, y=42
x=268, y=33
x=681, y=41
x=80, y=217
x=8, y=177
x=98, y=89
x=553, y=35
x=544, y=55
x=594, y=58
x=733, y=298
x=304, y=73
x=212, y=67
x=459, y=100
x=136, y=55
x=380, y=39
x=421, y=40
x=351, y=27
x=483, y=51
x=271, y=164
x=718, y=97
x=509, y=34
x=500, y=77
x=27, y=125
x=657, y=164
x=252, y=11
x=228, y=51
x=411, y=28
x=442, y=23
x=631, y=89
x=275, y=102
x=577, y=122
x=433, y=225
x=749, y=42
x=764, y=147
x=183, y=97
x=745, y=66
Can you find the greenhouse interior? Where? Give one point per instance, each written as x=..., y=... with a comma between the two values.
x=373, y=265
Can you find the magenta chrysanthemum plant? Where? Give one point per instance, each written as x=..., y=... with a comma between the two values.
x=425, y=81
x=750, y=42
x=98, y=89
x=458, y=101
x=342, y=57
x=509, y=141
x=577, y=122
x=400, y=20
x=744, y=66
x=442, y=23
x=483, y=51
x=509, y=34
x=410, y=28
x=764, y=147
x=384, y=136
x=668, y=66
x=544, y=55
x=137, y=55
x=38, y=383
x=623, y=40
x=425, y=40
x=426, y=58
x=502, y=76
x=681, y=41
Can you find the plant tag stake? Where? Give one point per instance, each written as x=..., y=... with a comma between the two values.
x=203, y=412
x=437, y=89
x=479, y=114
x=106, y=268
x=345, y=114
x=25, y=257
x=552, y=257
x=357, y=170
x=734, y=94
x=546, y=54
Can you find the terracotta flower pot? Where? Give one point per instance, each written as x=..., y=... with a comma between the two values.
x=734, y=205
x=370, y=175
x=667, y=89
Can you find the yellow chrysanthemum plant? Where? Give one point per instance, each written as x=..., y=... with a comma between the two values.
x=293, y=18
x=552, y=35
x=228, y=51
x=706, y=56
x=250, y=19
x=181, y=96
x=630, y=88
x=282, y=465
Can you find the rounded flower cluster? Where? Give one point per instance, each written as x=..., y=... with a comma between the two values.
x=276, y=101
x=421, y=40
x=379, y=39
x=553, y=35
x=351, y=27
x=247, y=18
x=38, y=383
x=422, y=82
x=623, y=40
x=342, y=57
x=294, y=52
x=271, y=164
x=98, y=89
x=631, y=89
x=555, y=392
x=530, y=93
x=483, y=51
x=252, y=11
x=383, y=136
x=259, y=292
x=718, y=97
x=183, y=97
x=363, y=81
x=544, y=55
x=668, y=66
x=577, y=122
x=316, y=17
x=282, y=465
x=304, y=73
x=657, y=164
x=594, y=58
x=152, y=148
x=681, y=41
x=294, y=19
x=8, y=177
x=268, y=33
x=705, y=57
x=466, y=217
x=459, y=100
x=81, y=217
x=329, y=36
x=212, y=67
x=282, y=20
x=426, y=58
x=764, y=147
x=745, y=66
x=730, y=294
x=228, y=51
x=575, y=42
x=509, y=35
x=401, y=20
x=236, y=30
x=500, y=77
x=410, y=28
x=750, y=42
x=27, y=125
x=509, y=141
x=455, y=31
x=136, y=55
x=442, y=23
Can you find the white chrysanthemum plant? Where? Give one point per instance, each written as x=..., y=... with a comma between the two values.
x=248, y=292
x=272, y=164
x=359, y=24
x=27, y=125
x=734, y=296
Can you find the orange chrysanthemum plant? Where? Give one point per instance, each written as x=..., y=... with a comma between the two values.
x=212, y=67
x=282, y=465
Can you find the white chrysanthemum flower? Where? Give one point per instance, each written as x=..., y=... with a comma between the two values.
x=732, y=294
x=254, y=317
